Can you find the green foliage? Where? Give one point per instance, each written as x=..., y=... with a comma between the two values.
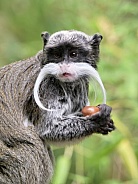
x=111, y=159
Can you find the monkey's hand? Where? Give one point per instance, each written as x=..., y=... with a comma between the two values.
x=102, y=121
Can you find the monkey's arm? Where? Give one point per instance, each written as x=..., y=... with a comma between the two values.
x=74, y=127
x=23, y=158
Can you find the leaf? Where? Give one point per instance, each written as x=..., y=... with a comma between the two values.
x=62, y=169
x=128, y=155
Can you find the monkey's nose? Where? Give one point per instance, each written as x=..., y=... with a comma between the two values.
x=64, y=67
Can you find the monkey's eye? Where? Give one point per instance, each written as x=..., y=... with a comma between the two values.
x=57, y=55
x=73, y=54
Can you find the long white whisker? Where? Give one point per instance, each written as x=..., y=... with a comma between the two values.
x=85, y=69
x=94, y=89
x=98, y=79
x=46, y=70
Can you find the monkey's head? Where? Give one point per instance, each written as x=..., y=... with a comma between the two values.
x=69, y=56
x=68, y=48
x=71, y=46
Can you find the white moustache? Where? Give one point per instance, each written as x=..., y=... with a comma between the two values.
x=74, y=71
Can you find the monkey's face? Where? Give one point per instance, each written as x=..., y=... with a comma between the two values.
x=68, y=49
x=67, y=56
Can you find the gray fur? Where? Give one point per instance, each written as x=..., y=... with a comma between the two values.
x=26, y=130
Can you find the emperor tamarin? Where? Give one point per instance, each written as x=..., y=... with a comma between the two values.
x=41, y=99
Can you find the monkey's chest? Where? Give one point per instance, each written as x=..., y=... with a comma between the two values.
x=66, y=105
x=65, y=98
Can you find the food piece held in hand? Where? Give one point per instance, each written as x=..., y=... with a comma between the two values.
x=90, y=110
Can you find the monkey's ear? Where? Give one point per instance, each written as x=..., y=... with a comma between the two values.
x=45, y=36
x=96, y=39
x=95, y=42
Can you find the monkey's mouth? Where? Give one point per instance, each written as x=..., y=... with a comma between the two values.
x=67, y=75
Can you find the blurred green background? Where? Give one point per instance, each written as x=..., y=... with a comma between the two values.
x=111, y=159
